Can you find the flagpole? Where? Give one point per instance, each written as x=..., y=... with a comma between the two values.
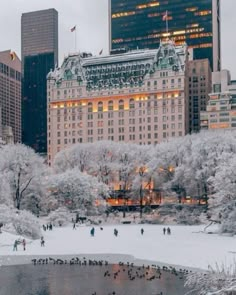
x=167, y=22
x=75, y=38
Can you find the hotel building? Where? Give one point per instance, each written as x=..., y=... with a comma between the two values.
x=139, y=97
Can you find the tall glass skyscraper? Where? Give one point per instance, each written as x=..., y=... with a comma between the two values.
x=39, y=47
x=143, y=23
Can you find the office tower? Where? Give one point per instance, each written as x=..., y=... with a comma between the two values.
x=221, y=108
x=143, y=23
x=10, y=94
x=199, y=79
x=39, y=45
x=139, y=97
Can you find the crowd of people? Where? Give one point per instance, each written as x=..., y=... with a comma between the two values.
x=92, y=233
x=47, y=227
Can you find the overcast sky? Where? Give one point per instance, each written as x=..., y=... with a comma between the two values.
x=91, y=18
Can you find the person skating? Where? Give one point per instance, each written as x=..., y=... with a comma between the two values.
x=42, y=242
x=142, y=231
x=115, y=232
x=92, y=232
x=164, y=230
x=168, y=231
x=15, y=245
x=24, y=244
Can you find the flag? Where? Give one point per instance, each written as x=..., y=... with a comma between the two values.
x=73, y=29
x=100, y=52
x=165, y=15
x=13, y=55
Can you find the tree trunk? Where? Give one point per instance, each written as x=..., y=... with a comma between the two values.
x=141, y=200
x=206, y=192
x=124, y=202
x=19, y=195
x=18, y=199
x=18, y=204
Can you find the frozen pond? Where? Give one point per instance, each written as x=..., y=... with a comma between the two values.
x=69, y=279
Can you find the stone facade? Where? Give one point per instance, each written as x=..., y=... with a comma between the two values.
x=140, y=97
x=10, y=93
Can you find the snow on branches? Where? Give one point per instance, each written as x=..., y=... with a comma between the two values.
x=22, y=168
x=19, y=222
x=76, y=189
x=220, y=280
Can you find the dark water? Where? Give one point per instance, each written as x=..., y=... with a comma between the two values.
x=85, y=280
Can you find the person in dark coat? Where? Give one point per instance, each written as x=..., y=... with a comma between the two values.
x=15, y=245
x=24, y=244
x=168, y=231
x=115, y=232
x=42, y=242
x=164, y=230
x=142, y=231
x=92, y=232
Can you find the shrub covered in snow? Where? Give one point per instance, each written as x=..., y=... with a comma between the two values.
x=19, y=222
x=188, y=217
x=180, y=214
x=220, y=281
x=60, y=216
x=228, y=224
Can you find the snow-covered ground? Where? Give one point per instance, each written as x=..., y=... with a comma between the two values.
x=186, y=246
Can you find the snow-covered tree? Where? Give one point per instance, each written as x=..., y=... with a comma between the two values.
x=96, y=159
x=126, y=164
x=199, y=165
x=5, y=191
x=103, y=161
x=23, y=169
x=76, y=189
x=143, y=175
x=77, y=156
x=194, y=161
x=126, y=157
x=60, y=216
x=19, y=222
x=224, y=182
